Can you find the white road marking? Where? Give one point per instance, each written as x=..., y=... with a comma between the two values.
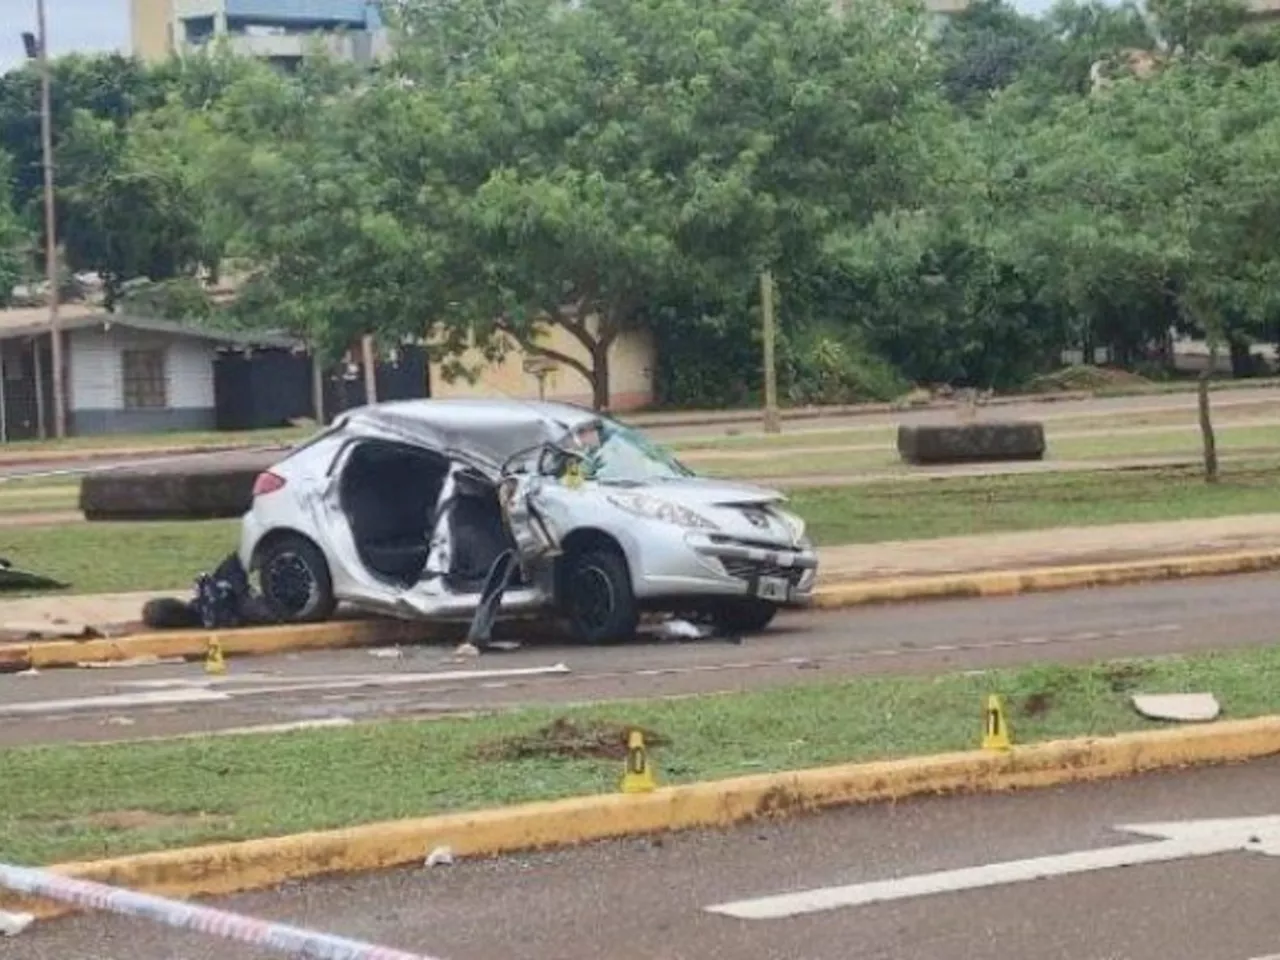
x=123, y=701
x=250, y=684
x=1178, y=841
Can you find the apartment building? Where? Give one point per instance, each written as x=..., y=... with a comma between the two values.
x=279, y=31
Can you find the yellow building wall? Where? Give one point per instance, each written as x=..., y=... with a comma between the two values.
x=149, y=25
x=631, y=363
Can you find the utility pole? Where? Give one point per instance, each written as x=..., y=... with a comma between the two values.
x=771, y=422
x=369, y=360
x=50, y=229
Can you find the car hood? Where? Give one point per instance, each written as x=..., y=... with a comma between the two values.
x=704, y=492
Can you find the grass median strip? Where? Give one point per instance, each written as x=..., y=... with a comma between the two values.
x=90, y=802
x=120, y=557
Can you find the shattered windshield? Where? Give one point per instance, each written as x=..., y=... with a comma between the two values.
x=617, y=454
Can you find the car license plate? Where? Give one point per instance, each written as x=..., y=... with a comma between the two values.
x=773, y=588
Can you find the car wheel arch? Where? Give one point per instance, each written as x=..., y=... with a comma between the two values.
x=276, y=535
x=584, y=539
x=323, y=602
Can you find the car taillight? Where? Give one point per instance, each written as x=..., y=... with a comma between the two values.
x=267, y=482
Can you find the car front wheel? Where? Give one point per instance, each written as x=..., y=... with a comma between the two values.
x=597, y=597
x=293, y=576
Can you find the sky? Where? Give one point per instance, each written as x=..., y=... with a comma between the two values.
x=86, y=25
x=74, y=25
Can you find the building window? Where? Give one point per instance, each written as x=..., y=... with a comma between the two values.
x=146, y=383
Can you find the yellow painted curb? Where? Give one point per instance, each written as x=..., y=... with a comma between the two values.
x=257, y=864
x=999, y=583
x=256, y=641
x=836, y=595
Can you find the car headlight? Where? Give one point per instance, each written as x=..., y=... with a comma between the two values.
x=652, y=508
x=795, y=526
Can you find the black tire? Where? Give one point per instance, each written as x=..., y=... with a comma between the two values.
x=597, y=597
x=748, y=615
x=294, y=580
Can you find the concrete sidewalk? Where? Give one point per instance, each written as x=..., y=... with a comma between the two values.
x=1060, y=546
x=113, y=614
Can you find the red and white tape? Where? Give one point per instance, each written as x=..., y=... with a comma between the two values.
x=293, y=941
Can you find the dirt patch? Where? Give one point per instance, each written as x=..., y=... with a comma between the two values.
x=122, y=821
x=1125, y=677
x=1037, y=704
x=566, y=739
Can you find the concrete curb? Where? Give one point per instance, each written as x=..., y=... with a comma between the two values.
x=841, y=594
x=257, y=864
x=1001, y=583
x=257, y=641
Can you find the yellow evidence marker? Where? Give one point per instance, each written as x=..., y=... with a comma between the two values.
x=639, y=776
x=995, y=734
x=214, y=662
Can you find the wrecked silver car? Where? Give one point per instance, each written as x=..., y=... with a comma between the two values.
x=443, y=509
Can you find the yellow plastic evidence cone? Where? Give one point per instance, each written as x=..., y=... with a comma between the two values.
x=214, y=662
x=995, y=735
x=639, y=776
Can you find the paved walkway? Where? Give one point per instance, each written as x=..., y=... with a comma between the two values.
x=113, y=613
x=1061, y=546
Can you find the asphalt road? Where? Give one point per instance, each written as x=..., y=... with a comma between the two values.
x=343, y=687
x=649, y=899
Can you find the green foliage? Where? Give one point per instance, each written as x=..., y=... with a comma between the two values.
x=986, y=47
x=958, y=206
x=14, y=240
x=831, y=364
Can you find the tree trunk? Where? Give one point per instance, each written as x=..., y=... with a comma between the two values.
x=1241, y=358
x=600, y=375
x=1206, y=427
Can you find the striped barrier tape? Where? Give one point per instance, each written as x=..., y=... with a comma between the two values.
x=230, y=926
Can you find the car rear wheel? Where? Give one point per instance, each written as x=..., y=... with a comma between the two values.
x=597, y=597
x=293, y=576
x=749, y=615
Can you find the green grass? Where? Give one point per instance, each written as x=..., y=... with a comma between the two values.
x=39, y=499
x=64, y=803
x=121, y=557
x=1158, y=444
x=954, y=507
x=1122, y=446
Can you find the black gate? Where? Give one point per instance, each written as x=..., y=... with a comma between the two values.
x=269, y=388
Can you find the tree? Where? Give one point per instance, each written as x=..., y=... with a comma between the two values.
x=14, y=240
x=529, y=164
x=1085, y=33
x=606, y=159
x=1163, y=191
x=308, y=204
x=127, y=209
x=986, y=47
x=108, y=87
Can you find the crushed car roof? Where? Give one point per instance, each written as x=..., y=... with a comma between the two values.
x=489, y=430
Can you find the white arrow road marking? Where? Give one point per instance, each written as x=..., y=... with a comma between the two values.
x=1179, y=841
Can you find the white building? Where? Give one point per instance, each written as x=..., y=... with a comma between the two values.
x=122, y=374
